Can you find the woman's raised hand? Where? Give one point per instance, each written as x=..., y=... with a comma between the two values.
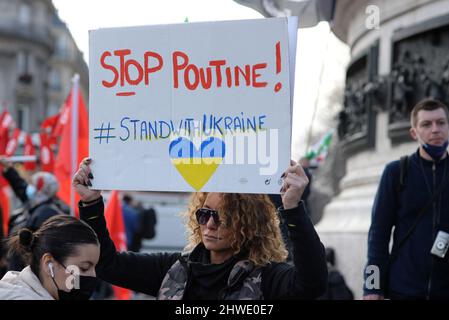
x=81, y=181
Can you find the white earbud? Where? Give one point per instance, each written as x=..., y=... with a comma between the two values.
x=52, y=273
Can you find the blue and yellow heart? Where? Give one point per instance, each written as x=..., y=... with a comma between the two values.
x=197, y=166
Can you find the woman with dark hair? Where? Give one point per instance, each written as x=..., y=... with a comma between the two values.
x=60, y=256
x=235, y=251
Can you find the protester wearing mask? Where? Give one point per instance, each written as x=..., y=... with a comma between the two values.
x=412, y=198
x=38, y=197
x=61, y=257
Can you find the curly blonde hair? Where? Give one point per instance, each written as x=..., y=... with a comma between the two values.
x=253, y=222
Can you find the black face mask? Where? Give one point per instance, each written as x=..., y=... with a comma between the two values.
x=84, y=292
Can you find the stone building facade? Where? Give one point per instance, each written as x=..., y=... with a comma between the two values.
x=38, y=57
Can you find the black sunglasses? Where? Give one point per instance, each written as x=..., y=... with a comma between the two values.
x=203, y=215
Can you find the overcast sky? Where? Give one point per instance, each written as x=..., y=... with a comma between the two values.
x=311, y=51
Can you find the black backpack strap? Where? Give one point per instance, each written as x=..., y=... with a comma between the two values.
x=419, y=215
x=403, y=170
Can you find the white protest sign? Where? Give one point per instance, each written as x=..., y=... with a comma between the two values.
x=189, y=107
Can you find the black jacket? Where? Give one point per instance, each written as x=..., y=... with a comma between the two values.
x=144, y=272
x=38, y=214
x=414, y=272
x=29, y=217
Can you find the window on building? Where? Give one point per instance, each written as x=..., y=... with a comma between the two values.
x=24, y=14
x=52, y=109
x=61, y=47
x=54, y=79
x=23, y=116
x=21, y=62
x=24, y=60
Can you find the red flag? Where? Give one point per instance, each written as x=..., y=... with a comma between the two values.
x=63, y=164
x=4, y=203
x=13, y=143
x=3, y=181
x=50, y=122
x=63, y=116
x=29, y=150
x=46, y=155
x=50, y=125
x=116, y=226
x=114, y=221
x=4, y=138
x=6, y=122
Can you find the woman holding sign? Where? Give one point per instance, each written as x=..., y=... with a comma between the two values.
x=235, y=249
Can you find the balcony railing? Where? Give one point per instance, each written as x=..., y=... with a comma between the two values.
x=37, y=34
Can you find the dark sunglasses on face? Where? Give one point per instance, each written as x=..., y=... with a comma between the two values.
x=203, y=215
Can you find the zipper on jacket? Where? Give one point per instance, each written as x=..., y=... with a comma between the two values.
x=429, y=284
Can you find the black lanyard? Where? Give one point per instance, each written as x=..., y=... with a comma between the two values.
x=421, y=213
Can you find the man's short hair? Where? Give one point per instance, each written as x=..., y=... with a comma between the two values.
x=127, y=198
x=428, y=105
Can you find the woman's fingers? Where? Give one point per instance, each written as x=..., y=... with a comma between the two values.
x=83, y=175
x=293, y=175
x=86, y=161
x=84, y=178
x=85, y=172
x=79, y=178
x=295, y=169
x=81, y=181
x=295, y=180
x=299, y=170
x=85, y=165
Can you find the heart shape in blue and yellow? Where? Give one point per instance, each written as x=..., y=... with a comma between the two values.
x=197, y=165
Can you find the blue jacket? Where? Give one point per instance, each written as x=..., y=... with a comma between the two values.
x=131, y=220
x=414, y=272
